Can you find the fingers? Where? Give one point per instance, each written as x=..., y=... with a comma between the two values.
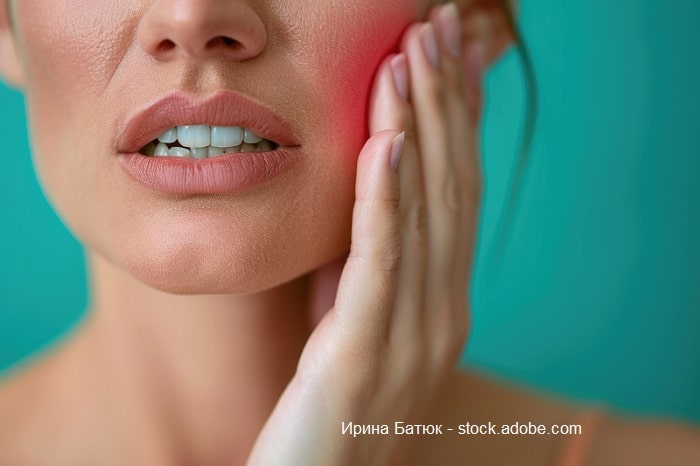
x=462, y=134
x=438, y=169
x=413, y=234
x=367, y=285
x=390, y=109
x=447, y=152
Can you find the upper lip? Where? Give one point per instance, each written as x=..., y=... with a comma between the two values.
x=222, y=108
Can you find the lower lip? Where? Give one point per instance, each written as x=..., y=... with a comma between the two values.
x=226, y=174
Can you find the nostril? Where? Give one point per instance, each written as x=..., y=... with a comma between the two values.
x=166, y=45
x=173, y=30
x=226, y=41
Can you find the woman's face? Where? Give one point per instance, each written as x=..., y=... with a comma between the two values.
x=91, y=65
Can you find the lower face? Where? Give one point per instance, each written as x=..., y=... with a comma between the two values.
x=85, y=72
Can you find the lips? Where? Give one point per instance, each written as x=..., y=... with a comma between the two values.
x=229, y=173
x=223, y=108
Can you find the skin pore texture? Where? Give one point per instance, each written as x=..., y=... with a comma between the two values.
x=154, y=377
x=200, y=306
x=206, y=245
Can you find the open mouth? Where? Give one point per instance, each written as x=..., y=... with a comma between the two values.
x=217, y=143
x=204, y=141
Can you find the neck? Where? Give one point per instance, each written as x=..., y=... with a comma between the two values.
x=198, y=375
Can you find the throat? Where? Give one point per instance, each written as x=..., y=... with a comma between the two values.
x=201, y=371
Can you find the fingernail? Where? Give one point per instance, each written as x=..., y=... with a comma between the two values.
x=451, y=28
x=397, y=151
x=430, y=45
x=399, y=68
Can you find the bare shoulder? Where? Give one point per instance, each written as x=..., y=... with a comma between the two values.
x=451, y=408
x=43, y=409
x=469, y=412
x=23, y=401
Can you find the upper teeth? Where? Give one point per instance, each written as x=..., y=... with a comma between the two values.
x=201, y=141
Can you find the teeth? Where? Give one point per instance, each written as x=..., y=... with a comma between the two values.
x=180, y=152
x=217, y=151
x=201, y=141
x=200, y=152
x=150, y=149
x=169, y=136
x=250, y=137
x=264, y=146
x=194, y=136
x=226, y=136
x=161, y=150
x=232, y=150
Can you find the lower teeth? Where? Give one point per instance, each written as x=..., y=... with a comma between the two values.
x=163, y=150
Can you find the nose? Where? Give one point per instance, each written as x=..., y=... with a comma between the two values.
x=202, y=29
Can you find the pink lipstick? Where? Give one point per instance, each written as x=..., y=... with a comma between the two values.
x=223, y=174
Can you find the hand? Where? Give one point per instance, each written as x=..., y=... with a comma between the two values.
x=400, y=318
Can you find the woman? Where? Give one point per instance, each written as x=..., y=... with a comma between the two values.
x=278, y=203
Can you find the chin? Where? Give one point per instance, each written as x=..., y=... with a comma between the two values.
x=197, y=270
x=210, y=249
x=243, y=267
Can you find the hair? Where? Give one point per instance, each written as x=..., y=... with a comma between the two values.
x=510, y=208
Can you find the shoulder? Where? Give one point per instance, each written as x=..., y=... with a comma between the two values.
x=467, y=399
x=41, y=407
x=22, y=402
x=446, y=447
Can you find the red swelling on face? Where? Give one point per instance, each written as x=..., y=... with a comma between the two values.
x=88, y=69
x=343, y=52
x=346, y=61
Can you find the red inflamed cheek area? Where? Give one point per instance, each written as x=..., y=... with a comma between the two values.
x=351, y=46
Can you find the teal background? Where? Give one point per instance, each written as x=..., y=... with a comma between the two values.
x=598, y=293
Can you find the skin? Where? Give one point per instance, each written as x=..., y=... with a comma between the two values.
x=215, y=243
x=223, y=327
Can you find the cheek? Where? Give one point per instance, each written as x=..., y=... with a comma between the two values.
x=75, y=46
x=71, y=50
x=349, y=45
